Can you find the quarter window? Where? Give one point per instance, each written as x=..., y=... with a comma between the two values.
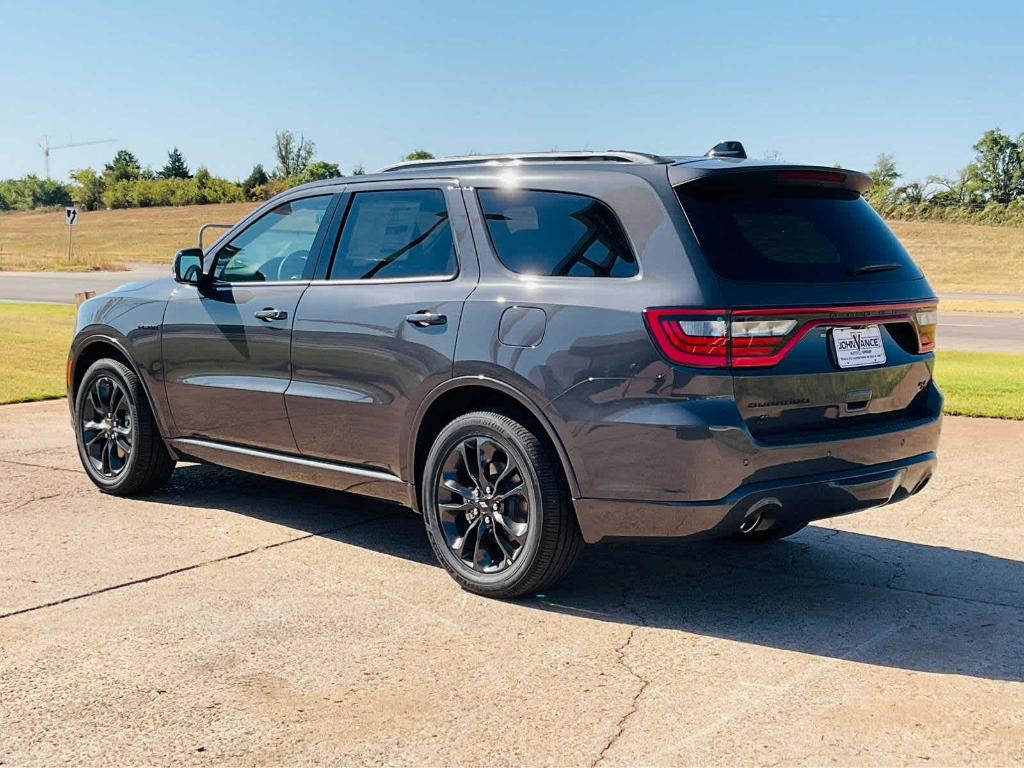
x=556, y=233
x=395, y=234
x=276, y=246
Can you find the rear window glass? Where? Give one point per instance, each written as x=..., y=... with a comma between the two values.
x=556, y=233
x=793, y=235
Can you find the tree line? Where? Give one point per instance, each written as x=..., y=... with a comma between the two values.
x=988, y=190
x=125, y=183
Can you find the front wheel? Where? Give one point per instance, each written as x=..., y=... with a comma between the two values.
x=496, y=511
x=118, y=439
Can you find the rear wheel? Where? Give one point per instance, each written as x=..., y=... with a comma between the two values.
x=118, y=439
x=496, y=511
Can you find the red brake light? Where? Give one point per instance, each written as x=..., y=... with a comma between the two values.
x=759, y=338
x=832, y=177
x=698, y=337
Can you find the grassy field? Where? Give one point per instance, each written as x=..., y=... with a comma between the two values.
x=34, y=340
x=33, y=240
x=965, y=257
x=982, y=384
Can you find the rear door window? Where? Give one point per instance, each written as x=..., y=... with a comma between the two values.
x=556, y=233
x=395, y=234
x=793, y=235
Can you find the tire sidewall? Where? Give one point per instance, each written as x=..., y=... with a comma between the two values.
x=110, y=369
x=521, y=569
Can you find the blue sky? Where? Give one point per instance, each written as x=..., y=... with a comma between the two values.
x=370, y=81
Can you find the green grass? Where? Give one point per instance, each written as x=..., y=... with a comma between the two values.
x=34, y=341
x=982, y=384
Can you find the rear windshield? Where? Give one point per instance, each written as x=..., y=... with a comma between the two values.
x=793, y=235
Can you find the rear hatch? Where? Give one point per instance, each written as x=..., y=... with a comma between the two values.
x=827, y=323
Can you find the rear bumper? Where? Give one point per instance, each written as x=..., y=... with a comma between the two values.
x=796, y=499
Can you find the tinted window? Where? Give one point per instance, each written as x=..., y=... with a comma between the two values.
x=556, y=233
x=791, y=235
x=276, y=246
x=395, y=234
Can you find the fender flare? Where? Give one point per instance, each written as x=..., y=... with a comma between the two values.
x=504, y=388
x=81, y=344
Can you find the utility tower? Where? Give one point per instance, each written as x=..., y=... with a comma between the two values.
x=47, y=148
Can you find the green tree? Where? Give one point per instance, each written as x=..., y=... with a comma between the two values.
x=320, y=170
x=1000, y=166
x=960, y=190
x=883, y=181
x=124, y=167
x=88, y=189
x=419, y=154
x=32, y=192
x=293, y=155
x=256, y=178
x=359, y=170
x=175, y=168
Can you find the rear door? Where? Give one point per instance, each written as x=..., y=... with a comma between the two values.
x=226, y=346
x=831, y=323
x=377, y=332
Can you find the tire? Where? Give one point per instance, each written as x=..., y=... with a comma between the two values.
x=520, y=542
x=769, y=534
x=118, y=441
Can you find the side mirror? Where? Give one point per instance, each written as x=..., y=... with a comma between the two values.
x=188, y=266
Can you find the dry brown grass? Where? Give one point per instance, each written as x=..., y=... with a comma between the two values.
x=966, y=257
x=35, y=240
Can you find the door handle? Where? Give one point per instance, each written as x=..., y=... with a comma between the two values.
x=269, y=314
x=423, y=319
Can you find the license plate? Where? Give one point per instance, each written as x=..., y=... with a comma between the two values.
x=856, y=347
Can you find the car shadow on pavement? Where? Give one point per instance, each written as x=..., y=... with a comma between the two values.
x=829, y=593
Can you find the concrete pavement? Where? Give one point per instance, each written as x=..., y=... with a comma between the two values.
x=230, y=619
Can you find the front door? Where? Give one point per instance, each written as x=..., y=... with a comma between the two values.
x=226, y=345
x=378, y=333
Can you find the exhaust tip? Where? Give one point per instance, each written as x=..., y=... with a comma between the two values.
x=766, y=509
x=751, y=521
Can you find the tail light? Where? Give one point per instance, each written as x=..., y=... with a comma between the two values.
x=927, y=321
x=759, y=338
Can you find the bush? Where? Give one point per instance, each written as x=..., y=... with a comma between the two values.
x=32, y=192
x=991, y=214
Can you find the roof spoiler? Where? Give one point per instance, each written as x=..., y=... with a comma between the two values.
x=743, y=175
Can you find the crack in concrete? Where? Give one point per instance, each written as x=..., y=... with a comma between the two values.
x=26, y=502
x=187, y=568
x=77, y=471
x=620, y=652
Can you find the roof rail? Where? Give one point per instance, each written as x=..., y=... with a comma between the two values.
x=515, y=158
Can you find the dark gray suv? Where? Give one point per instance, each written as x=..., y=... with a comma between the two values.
x=535, y=351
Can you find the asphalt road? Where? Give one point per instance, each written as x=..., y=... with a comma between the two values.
x=238, y=620
x=980, y=332
x=61, y=287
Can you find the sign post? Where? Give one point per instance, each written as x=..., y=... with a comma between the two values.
x=70, y=218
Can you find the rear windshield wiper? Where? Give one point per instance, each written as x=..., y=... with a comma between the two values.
x=867, y=269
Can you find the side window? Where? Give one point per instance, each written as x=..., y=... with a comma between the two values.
x=390, y=234
x=556, y=233
x=276, y=246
